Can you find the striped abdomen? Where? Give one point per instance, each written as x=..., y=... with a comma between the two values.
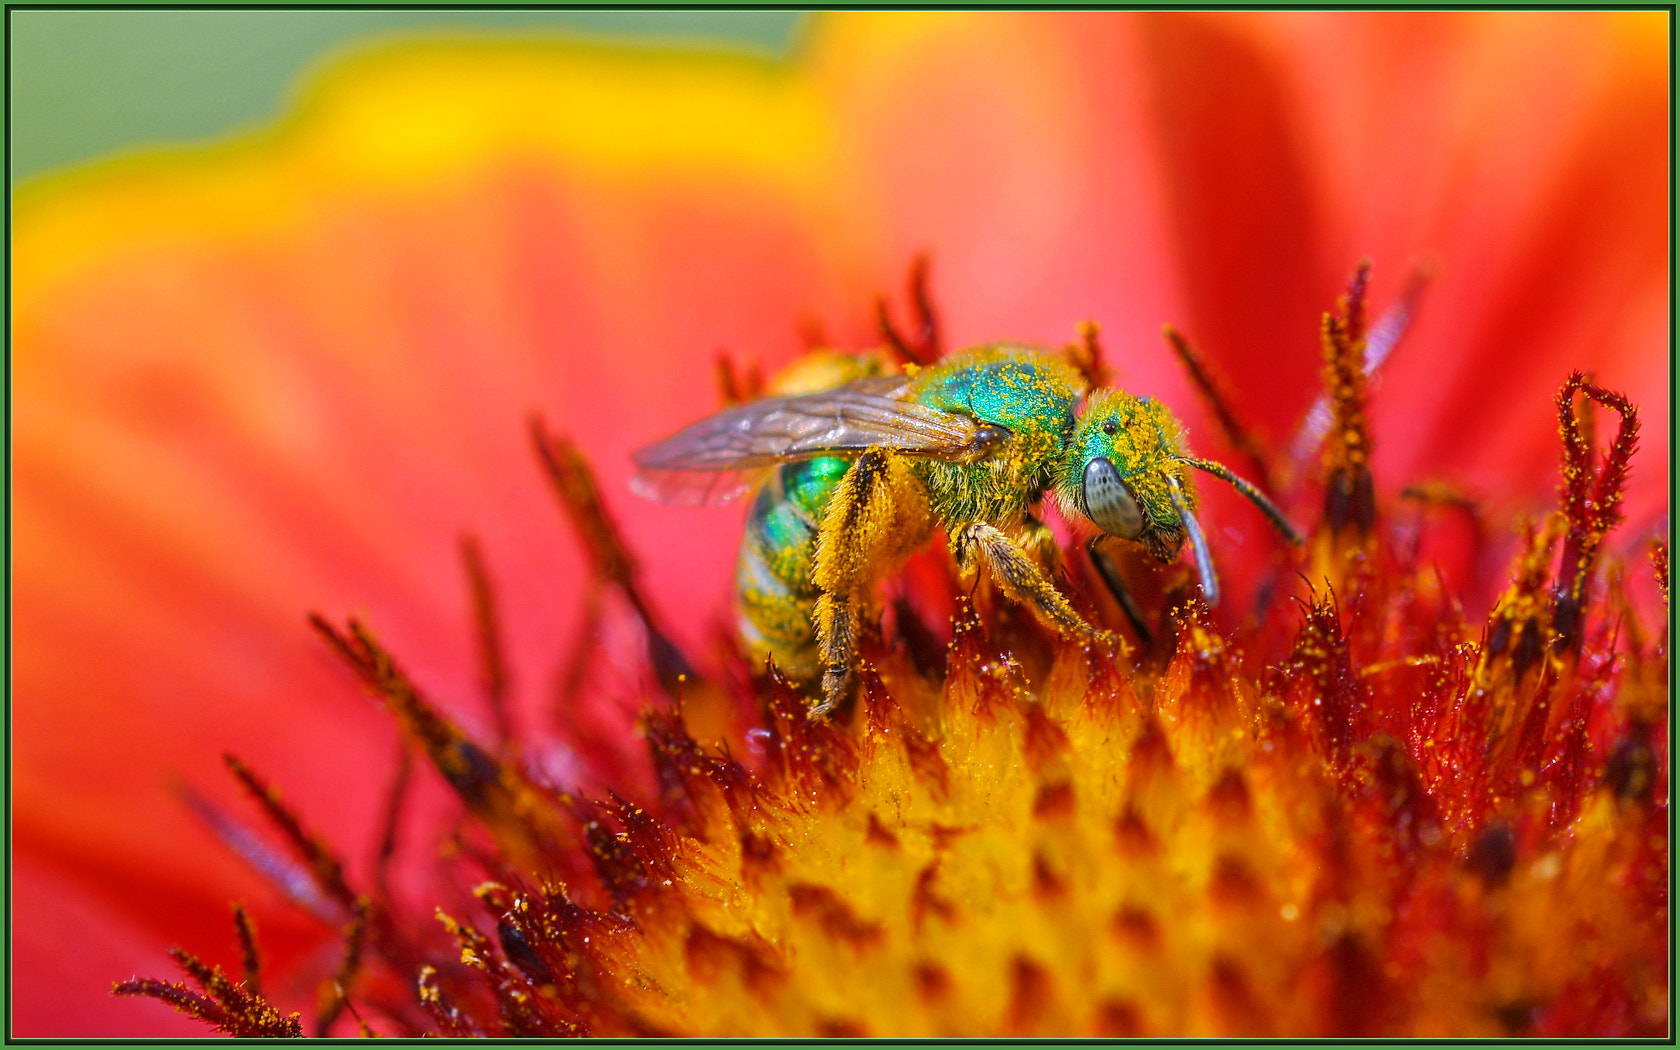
x=773, y=587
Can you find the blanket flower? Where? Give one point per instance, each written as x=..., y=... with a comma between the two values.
x=1421, y=791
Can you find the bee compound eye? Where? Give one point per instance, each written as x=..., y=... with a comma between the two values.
x=990, y=436
x=1108, y=501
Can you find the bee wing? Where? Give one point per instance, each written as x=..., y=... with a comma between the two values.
x=704, y=462
x=694, y=488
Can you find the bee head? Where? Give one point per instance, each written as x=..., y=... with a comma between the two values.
x=1126, y=472
x=1123, y=469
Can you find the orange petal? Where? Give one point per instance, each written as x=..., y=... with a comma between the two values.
x=282, y=376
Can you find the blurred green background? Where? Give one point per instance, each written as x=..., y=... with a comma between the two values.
x=85, y=83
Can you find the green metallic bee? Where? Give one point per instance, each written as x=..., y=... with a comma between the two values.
x=860, y=473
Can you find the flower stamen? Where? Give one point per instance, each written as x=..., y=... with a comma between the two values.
x=1216, y=395
x=924, y=347
x=1349, y=500
x=1592, y=502
x=240, y=1011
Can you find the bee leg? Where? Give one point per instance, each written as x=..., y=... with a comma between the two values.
x=836, y=621
x=874, y=519
x=1022, y=579
x=1111, y=579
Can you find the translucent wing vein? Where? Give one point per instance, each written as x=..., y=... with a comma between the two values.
x=764, y=433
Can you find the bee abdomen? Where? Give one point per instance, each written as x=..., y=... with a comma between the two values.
x=774, y=592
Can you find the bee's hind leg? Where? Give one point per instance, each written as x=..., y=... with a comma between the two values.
x=836, y=622
x=1022, y=579
x=875, y=517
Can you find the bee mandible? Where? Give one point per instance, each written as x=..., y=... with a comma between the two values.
x=862, y=472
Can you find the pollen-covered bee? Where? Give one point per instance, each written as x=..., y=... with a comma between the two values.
x=860, y=474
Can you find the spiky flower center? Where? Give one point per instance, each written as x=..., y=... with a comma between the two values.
x=1361, y=813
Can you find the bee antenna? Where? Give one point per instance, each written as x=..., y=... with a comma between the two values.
x=1198, y=543
x=1255, y=496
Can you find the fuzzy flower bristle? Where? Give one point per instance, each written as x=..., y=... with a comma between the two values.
x=1364, y=813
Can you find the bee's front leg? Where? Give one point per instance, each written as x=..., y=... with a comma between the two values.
x=1122, y=595
x=1021, y=578
x=876, y=516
